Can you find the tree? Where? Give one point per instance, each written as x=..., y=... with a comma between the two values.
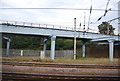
x=106, y=28
x=23, y=42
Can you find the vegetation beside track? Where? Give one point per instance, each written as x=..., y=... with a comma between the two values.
x=64, y=60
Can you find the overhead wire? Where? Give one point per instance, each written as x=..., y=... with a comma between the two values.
x=113, y=19
x=54, y=9
x=89, y=15
x=106, y=10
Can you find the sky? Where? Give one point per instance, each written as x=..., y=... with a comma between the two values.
x=61, y=17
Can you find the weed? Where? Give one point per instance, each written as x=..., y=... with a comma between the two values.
x=63, y=60
x=39, y=60
x=50, y=61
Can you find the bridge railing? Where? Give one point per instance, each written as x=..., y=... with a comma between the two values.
x=27, y=24
x=16, y=23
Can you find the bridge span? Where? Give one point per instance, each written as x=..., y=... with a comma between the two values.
x=53, y=32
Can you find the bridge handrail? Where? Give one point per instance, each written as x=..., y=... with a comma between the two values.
x=17, y=23
x=33, y=24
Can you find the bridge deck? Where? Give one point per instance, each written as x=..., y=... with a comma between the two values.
x=19, y=29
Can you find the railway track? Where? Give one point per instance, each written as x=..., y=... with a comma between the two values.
x=10, y=76
x=61, y=65
x=36, y=71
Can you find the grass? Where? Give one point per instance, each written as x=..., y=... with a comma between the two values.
x=64, y=60
x=87, y=61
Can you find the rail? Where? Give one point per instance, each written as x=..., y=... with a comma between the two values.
x=62, y=65
x=45, y=77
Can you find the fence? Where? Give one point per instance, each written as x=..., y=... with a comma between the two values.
x=18, y=52
x=93, y=51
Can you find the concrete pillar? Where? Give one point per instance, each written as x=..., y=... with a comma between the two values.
x=111, y=49
x=44, y=49
x=42, y=55
x=8, y=47
x=83, y=48
x=21, y=53
x=52, y=53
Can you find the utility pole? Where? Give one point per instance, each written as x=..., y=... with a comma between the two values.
x=74, y=38
x=108, y=29
x=84, y=21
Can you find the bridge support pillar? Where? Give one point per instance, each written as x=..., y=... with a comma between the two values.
x=52, y=53
x=83, y=48
x=8, y=47
x=111, y=49
x=44, y=49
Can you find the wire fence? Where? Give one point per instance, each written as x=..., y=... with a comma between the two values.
x=19, y=52
x=96, y=51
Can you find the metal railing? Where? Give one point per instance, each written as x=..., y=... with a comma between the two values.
x=27, y=24
x=37, y=25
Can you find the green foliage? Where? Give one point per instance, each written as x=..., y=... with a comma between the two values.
x=38, y=60
x=79, y=54
x=64, y=44
x=91, y=43
x=23, y=42
x=106, y=28
x=32, y=42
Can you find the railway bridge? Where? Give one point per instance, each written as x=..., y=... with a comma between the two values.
x=52, y=32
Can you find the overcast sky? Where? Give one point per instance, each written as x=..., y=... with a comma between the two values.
x=59, y=16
